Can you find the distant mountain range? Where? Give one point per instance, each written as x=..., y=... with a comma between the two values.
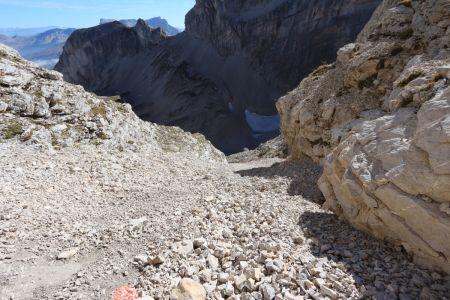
x=44, y=45
x=43, y=48
x=24, y=31
x=153, y=22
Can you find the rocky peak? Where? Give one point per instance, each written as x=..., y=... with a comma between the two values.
x=112, y=40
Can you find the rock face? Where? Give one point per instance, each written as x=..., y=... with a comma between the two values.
x=43, y=48
x=38, y=108
x=225, y=70
x=378, y=119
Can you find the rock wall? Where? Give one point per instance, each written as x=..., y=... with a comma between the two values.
x=378, y=119
x=224, y=64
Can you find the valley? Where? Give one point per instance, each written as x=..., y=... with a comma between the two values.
x=150, y=166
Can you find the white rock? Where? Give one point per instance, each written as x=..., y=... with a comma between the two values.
x=68, y=253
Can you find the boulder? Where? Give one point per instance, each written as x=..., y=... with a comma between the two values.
x=188, y=289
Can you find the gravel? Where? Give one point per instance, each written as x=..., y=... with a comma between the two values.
x=78, y=223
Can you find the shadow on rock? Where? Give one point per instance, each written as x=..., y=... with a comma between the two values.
x=381, y=270
x=303, y=176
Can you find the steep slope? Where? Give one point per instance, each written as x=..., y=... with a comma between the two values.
x=226, y=69
x=43, y=48
x=156, y=22
x=93, y=199
x=38, y=108
x=378, y=121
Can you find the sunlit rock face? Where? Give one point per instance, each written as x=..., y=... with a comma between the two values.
x=379, y=122
x=247, y=53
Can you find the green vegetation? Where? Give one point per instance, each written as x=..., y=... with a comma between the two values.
x=411, y=77
x=39, y=93
x=115, y=98
x=122, y=108
x=12, y=129
x=99, y=110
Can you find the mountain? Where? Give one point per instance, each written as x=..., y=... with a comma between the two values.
x=225, y=72
x=157, y=22
x=378, y=120
x=24, y=31
x=98, y=204
x=43, y=48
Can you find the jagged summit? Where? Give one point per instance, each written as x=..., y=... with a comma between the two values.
x=156, y=22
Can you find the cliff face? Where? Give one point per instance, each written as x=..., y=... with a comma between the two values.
x=286, y=39
x=235, y=58
x=96, y=52
x=378, y=120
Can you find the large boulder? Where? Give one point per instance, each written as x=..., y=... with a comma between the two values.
x=379, y=122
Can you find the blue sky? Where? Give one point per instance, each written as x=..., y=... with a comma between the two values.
x=85, y=13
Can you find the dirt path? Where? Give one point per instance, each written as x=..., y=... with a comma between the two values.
x=251, y=230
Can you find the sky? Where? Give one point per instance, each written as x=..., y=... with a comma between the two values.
x=86, y=13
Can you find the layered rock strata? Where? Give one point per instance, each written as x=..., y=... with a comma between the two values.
x=378, y=119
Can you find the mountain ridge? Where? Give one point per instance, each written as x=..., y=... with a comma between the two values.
x=212, y=73
x=154, y=22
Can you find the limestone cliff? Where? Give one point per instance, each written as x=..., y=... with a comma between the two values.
x=234, y=59
x=378, y=119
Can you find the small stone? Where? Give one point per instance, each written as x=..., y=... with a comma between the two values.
x=289, y=296
x=239, y=281
x=271, y=267
x=219, y=252
x=205, y=275
x=306, y=284
x=68, y=253
x=3, y=106
x=136, y=224
x=188, y=289
x=326, y=291
x=142, y=259
x=156, y=260
x=229, y=289
x=184, y=247
x=213, y=262
x=200, y=243
x=268, y=292
x=223, y=277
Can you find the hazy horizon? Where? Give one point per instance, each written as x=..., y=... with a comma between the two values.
x=66, y=14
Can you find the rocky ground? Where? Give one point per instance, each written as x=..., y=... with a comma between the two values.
x=77, y=223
